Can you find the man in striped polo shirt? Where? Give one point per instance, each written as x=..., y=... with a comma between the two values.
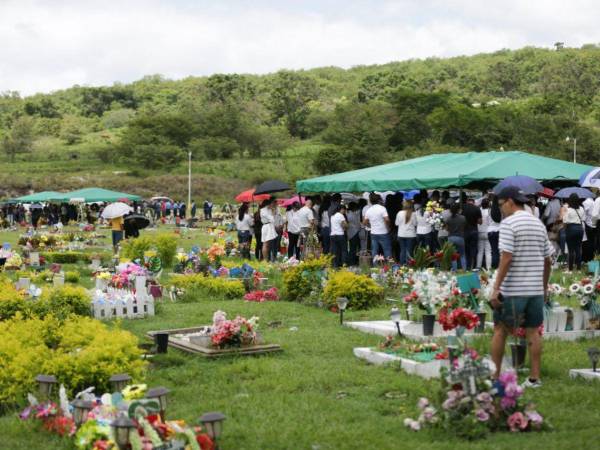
x=521, y=281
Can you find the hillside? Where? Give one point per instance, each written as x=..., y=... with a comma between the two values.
x=242, y=129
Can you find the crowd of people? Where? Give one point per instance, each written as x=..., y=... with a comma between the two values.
x=394, y=226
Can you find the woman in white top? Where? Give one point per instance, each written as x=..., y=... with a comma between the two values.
x=406, y=221
x=424, y=228
x=268, y=233
x=483, y=244
x=339, y=244
x=243, y=224
x=573, y=217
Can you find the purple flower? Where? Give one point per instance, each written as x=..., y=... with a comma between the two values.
x=428, y=414
x=423, y=403
x=482, y=415
x=508, y=402
x=535, y=417
x=513, y=390
x=508, y=377
x=517, y=421
x=484, y=397
x=449, y=404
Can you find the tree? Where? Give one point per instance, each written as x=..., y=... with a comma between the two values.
x=214, y=147
x=290, y=95
x=71, y=130
x=19, y=139
x=225, y=87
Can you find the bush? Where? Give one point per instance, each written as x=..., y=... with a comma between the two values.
x=66, y=257
x=215, y=288
x=165, y=244
x=11, y=301
x=79, y=352
x=301, y=280
x=63, y=301
x=361, y=291
x=72, y=276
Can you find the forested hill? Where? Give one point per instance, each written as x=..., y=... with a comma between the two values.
x=293, y=124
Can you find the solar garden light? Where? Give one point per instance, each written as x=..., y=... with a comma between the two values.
x=45, y=384
x=121, y=427
x=80, y=410
x=342, y=302
x=159, y=393
x=395, y=317
x=213, y=422
x=119, y=381
x=594, y=355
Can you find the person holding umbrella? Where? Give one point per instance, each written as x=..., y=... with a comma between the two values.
x=114, y=214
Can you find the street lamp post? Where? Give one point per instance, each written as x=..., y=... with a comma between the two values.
x=189, y=202
x=569, y=139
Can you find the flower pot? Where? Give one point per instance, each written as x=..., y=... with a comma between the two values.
x=162, y=342
x=364, y=261
x=428, y=323
x=518, y=353
x=481, y=327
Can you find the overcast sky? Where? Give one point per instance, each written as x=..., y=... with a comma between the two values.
x=54, y=44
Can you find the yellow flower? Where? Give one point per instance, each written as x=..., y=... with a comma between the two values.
x=134, y=391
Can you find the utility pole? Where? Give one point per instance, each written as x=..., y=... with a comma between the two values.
x=189, y=203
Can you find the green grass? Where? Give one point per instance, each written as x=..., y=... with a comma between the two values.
x=317, y=394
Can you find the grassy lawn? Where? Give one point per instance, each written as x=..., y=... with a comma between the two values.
x=317, y=395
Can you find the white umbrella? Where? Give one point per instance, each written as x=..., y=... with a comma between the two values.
x=591, y=178
x=114, y=210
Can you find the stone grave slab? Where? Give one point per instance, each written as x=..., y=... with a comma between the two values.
x=180, y=338
x=410, y=329
x=587, y=374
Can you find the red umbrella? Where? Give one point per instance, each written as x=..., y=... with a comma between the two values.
x=546, y=192
x=285, y=202
x=248, y=196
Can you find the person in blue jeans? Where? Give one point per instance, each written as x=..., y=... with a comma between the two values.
x=378, y=220
x=406, y=222
x=456, y=224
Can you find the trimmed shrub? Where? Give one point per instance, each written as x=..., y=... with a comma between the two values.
x=213, y=288
x=66, y=257
x=165, y=245
x=72, y=276
x=11, y=301
x=62, y=302
x=80, y=352
x=361, y=291
x=301, y=280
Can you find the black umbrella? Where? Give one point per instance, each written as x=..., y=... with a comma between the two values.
x=271, y=186
x=138, y=221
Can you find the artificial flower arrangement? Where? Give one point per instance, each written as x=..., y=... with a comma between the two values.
x=423, y=352
x=125, y=275
x=433, y=215
x=13, y=261
x=233, y=333
x=261, y=296
x=152, y=262
x=587, y=290
x=95, y=433
x=36, y=241
x=474, y=405
x=458, y=318
x=429, y=291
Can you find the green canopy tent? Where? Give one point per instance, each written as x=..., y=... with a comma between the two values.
x=458, y=170
x=91, y=195
x=44, y=196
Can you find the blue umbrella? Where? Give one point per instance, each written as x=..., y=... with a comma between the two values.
x=527, y=184
x=580, y=192
x=590, y=178
x=409, y=195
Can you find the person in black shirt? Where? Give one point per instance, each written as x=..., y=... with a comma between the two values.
x=472, y=214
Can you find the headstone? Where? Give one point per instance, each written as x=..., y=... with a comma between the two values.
x=96, y=264
x=58, y=279
x=34, y=259
x=587, y=374
x=23, y=283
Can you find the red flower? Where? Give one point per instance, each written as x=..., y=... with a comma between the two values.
x=411, y=262
x=455, y=256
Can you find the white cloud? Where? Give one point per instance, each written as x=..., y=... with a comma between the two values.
x=47, y=45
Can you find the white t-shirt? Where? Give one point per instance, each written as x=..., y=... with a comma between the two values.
x=304, y=216
x=292, y=221
x=245, y=224
x=596, y=211
x=376, y=215
x=574, y=215
x=423, y=227
x=406, y=230
x=336, y=224
x=588, y=207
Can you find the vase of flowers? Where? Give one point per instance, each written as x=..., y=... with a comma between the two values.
x=518, y=351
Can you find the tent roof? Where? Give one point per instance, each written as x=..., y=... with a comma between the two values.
x=446, y=170
x=37, y=197
x=95, y=195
